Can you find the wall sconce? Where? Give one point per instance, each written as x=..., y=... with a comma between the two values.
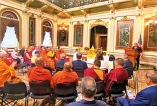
x=63, y=27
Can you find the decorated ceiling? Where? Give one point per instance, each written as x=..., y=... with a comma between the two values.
x=68, y=8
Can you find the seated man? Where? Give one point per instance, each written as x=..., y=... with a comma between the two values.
x=22, y=51
x=60, y=63
x=119, y=74
x=128, y=65
x=7, y=73
x=88, y=90
x=59, y=52
x=65, y=76
x=78, y=64
x=38, y=73
x=127, y=62
x=95, y=72
x=36, y=55
x=146, y=97
x=14, y=55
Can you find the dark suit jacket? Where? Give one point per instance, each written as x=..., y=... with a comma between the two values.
x=127, y=64
x=138, y=49
x=78, y=64
x=146, y=97
x=60, y=64
x=88, y=103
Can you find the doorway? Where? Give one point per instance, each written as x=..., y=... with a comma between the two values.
x=98, y=37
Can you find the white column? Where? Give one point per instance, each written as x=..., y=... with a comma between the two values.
x=86, y=34
x=111, y=35
x=25, y=29
x=54, y=42
x=71, y=35
x=38, y=31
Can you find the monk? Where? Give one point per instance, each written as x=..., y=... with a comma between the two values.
x=59, y=52
x=27, y=56
x=38, y=73
x=43, y=53
x=65, y=76
x=7, y=73
x=51, y=58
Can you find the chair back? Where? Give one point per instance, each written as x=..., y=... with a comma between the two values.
x=79, y=72
x=66, y=89
x=15, y=88
x=100, y=86
x=40, y=88
x=130, y=71
x=117, y=87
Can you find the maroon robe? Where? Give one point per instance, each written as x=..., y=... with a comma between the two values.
x=117, y=75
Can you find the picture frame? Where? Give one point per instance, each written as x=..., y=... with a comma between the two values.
x=150, y=35
x=62, y=35
x=124, y=33
x=78, y=35
x=31, y=31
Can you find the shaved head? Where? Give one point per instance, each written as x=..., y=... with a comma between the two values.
x=67, y=66
x=39, y=61
x=3, y=56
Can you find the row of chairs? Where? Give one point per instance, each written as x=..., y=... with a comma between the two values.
x=42, y=90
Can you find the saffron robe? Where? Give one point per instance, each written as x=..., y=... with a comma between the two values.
x=38, y=73
x=59, y=52
x=96, y=74
x=117, y=75
x=7, y=73
x=64, y=77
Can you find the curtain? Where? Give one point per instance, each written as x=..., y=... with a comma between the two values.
x=47, y=29
x=8, y=22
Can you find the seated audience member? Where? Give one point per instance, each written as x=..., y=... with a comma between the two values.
x=95, y=71
x=36, y=49
x=9, y=59
x=119, y=74
x=59, y=52
x=78, y=64
x=7, y=73
x=105, y=56
x=38, y=73
x=43, y=53
x=14, y=55
x=127, y=62
x=36, y=55
x=60, y=63
x=110, y=63
x=65, y=76
x=88, y=90
x=22, y=51
x=103, y=65
x=146, y=97
x=27, y=56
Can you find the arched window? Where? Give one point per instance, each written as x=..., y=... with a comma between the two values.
x=9, y=25
x=47, y=33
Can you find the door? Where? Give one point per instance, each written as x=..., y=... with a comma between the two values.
x=103, y=42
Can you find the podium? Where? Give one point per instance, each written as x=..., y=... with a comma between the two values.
x=132, y=55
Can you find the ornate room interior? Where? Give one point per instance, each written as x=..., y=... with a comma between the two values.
x=112, y=25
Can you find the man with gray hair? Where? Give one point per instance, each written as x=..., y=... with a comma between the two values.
x=127, y=62
x=146, y=97
x=60, y=63
x=88, y=90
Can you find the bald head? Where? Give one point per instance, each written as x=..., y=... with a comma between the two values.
x=67, y=66
x=39, y=61
x=5, y=49
x=62, y=56
x=152, y=75
x=3, y=56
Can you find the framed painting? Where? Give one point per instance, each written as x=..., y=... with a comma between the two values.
x=124, y=34
x=78, y=35
x=31, y=31
x=150, y=35
x=62, y=35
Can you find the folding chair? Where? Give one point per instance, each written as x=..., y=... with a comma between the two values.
x=41, y=90
x=14, y=92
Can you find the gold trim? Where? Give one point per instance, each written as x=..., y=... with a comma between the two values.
x=125, y=18
x=99, y=22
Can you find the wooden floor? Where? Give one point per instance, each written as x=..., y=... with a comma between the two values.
x=138, y=77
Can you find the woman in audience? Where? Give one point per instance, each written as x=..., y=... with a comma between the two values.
x=110, y=63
